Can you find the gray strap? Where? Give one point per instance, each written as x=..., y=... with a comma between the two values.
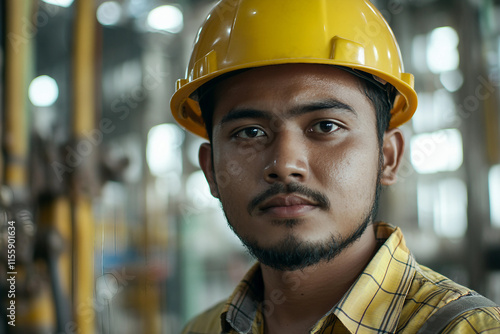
x=446, y=314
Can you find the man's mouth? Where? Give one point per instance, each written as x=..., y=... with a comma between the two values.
x=287, y=201
x=287, y=206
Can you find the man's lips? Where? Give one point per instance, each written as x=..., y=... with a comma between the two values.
x=287, y=199
x=287, y=206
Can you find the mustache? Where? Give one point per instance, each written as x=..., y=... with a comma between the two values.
x=291, y=188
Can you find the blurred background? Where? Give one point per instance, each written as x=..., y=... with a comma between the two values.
x=116, y=231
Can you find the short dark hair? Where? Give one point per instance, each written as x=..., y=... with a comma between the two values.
x=382, y=98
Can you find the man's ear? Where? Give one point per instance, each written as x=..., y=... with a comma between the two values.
x=392, y=150
x=205, y=157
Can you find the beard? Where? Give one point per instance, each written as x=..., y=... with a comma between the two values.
x=294, y=254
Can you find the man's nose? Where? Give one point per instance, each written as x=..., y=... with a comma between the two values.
x=287, y=159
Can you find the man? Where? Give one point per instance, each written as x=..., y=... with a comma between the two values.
x=301, y=101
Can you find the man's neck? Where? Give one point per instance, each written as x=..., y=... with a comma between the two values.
x=295, y=300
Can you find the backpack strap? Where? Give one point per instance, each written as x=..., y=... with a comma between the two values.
x=446, y=314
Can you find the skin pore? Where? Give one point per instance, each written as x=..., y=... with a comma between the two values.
x=296, y=164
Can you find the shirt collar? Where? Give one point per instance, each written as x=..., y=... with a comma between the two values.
x=374, y=301
x=241, y=308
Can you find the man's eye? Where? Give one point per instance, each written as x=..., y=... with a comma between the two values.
x=325, y=127
x=251, y=132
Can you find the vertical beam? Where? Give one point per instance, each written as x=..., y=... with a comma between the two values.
x=83, y=122
x=36, y=310
x=475, y=150
x=2, y=83
x=492, y=107
x=18, y=47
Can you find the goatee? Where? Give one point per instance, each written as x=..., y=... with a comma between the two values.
x=294, y=254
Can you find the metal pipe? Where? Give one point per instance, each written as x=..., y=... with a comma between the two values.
x=83, y=121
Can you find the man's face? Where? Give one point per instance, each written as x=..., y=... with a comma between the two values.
x=295, y=161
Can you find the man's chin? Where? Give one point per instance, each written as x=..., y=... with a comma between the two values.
x=295, y=254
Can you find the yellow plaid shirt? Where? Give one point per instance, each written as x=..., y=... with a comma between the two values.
x=394, y=294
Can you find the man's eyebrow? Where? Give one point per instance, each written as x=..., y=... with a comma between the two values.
x=245, y=113
x=250, y=113
x=322, y=105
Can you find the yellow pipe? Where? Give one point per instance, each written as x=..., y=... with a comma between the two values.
x=16, y=71
x=57, y=216
x=492, y=129
x=84, y=68
x=83, y=121
x=83, y=272
x=35, y=312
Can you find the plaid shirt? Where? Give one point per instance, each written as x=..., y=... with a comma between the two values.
x=394, y=294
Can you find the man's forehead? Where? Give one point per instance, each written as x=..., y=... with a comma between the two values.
x=290, y=83
x=287, y=72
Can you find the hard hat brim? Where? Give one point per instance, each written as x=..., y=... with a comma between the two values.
x=187, y=113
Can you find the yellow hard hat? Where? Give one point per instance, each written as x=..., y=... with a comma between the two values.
x=240, y=34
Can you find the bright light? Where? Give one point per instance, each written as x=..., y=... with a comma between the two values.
x=450, y=215
x=442, y=207
x=452, y=80
x=106, y=287
x=163, y=151
x=166, y=18
x=438, y=151
x=109, y=13
x=60, y=3
x=198, y=191
x=167, y=185
x=435, y=111
x=444, y=109
x=442, y=52
x=494, y=186
x=419, y=46
x=423, y=119
x=43, y=91
x=425, y=205
x=136, y=8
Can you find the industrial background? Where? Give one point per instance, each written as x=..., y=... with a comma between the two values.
x=115, y=230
